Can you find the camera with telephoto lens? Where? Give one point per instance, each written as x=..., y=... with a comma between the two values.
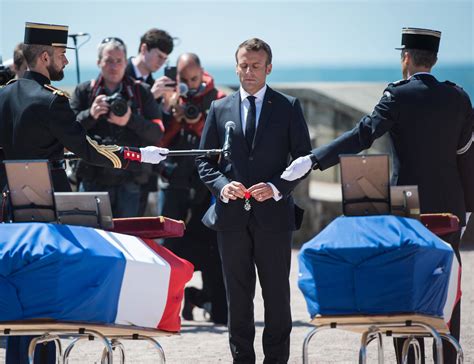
x=118, y=105
x=6, y=74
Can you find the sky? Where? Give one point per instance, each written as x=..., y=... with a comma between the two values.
x=306, y=33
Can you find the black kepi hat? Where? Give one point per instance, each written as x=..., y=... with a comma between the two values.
x=46, y=34
x=417, y=38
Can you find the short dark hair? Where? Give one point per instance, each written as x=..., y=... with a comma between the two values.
x=18, y=57
x=33, y=51
x=421, y=57
x=256, y=45
x=157, y=38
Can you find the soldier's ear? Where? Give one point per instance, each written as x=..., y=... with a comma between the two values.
x=44, y=57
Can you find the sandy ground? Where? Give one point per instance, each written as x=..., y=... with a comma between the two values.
x=201, y=342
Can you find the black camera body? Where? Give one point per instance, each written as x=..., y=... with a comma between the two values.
x=118, y=105
x=6, y=74
x=191, y=111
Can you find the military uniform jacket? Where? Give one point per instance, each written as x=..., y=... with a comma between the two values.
x=36, y=122
x=430, y=126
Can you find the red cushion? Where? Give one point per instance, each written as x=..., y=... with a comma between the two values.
x=150, y=227
x=440, y=224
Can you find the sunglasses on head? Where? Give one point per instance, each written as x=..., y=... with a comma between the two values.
x=112, y=39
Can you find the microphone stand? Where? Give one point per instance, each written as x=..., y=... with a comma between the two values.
x=74, y=39
x=76, y=49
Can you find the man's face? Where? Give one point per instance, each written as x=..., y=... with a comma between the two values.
x=112, y=65
x=57, y=63
x=191, y=75
x=252, y=69
x=154, y=58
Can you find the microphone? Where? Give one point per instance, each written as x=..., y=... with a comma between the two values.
x=80, y=34
x=229, y=130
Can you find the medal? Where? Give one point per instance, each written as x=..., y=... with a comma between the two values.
x=247, y=205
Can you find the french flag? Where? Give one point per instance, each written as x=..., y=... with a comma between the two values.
x=378, y=265
x=73, y=273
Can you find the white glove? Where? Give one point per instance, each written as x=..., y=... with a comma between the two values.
x=298, y=168
x=153, y=155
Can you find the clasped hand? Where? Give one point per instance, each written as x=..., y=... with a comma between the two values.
x=260, y=191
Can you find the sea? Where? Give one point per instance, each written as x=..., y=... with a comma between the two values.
x=461, y=74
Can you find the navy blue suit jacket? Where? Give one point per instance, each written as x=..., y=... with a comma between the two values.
x=281, y=135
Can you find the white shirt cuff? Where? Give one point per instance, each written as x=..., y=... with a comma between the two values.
x=223, y=199
x=277, y=196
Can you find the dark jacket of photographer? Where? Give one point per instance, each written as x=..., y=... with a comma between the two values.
x=145, y=127
x=181, y=172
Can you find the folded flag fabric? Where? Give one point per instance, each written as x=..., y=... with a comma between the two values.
x=73, y=273
x=378, y=265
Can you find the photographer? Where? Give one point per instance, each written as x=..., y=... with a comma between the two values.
x=16, y=70
x=13, y=68
x=153, y=51
x=155, y=47
x=116, y=109
x=183, y=196
x=19, y=65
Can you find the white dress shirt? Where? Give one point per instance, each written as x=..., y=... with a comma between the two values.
x=244, y=109
x=245, y=106
x=138, y=74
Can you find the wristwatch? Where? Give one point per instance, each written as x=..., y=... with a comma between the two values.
x=314, y=162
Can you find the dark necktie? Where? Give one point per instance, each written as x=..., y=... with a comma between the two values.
x=251, y=121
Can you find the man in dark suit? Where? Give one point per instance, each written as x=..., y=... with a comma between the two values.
x=430, y=126
x=254, y=213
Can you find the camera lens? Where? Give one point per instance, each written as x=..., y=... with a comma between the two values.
x=191, y=111
x=118, y=105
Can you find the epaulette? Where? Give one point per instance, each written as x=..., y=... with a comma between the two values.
x=56, y=91
x=451, y=83
x=398, y=83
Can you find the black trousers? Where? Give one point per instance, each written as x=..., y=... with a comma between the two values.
x=198, y=245
x=270, y=253
x=449, y=353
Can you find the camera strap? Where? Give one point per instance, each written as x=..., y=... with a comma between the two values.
x=138, y=96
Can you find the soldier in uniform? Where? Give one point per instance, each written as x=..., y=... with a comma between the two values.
x=430, y=126
x=36, y=122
